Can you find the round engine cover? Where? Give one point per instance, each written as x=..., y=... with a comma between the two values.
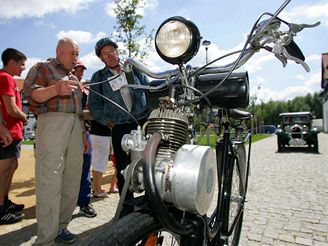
x=194, y=178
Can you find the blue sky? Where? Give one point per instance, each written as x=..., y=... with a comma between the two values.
x=34, y=27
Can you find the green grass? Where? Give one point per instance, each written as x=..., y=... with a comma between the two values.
x=28, y=142
x=203, y=141
x=212, y=138
x=258, y=137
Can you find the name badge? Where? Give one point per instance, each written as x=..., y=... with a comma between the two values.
x=117, y=83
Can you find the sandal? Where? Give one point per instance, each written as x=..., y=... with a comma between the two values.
x=113, y=190
x=100, y=195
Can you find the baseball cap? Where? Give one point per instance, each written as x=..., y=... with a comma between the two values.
x=80, y=64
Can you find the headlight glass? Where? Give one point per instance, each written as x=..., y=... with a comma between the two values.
x=173, y=39
x=177, y=40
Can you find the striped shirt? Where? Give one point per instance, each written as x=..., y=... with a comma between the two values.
x=44, y=74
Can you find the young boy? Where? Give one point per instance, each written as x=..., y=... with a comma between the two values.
x=14, y=118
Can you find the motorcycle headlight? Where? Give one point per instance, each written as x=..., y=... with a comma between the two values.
x=177, y=40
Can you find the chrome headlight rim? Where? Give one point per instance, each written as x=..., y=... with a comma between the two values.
x=177, y=40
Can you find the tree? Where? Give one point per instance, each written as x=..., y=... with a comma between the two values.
x=269, y=112
x=128, y=29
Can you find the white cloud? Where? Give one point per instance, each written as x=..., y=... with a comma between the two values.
x=149, y=5
x=314, y=81
x=80, y=37
x=300, y=77
x=308, y=84
x=313, y=58
x=302, y=13
x=42, y=23
x=257, y=61
x=100, y=35
x=36, y=8
x=92, y=61
x=109, y=9
x=266, y=94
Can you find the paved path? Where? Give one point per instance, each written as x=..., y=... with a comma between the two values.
x=287, y=202
x=287, y=196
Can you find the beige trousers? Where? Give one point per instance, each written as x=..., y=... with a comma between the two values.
x=58, y=168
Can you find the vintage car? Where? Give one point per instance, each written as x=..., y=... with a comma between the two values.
x=296, y=130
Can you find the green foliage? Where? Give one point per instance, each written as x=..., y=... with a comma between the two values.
x=268, y=113
x=128, y=29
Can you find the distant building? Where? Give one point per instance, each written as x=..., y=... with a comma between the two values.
x=324, y=93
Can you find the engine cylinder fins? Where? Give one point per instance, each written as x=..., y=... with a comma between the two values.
x=173, y=123
x=175, y=130
x=174, y=114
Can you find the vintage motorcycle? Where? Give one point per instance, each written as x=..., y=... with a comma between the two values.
x=191, y=194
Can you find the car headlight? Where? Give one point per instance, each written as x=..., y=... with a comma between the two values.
x=177, y=40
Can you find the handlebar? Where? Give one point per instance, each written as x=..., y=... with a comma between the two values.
x=156, y=75
x=265, y=32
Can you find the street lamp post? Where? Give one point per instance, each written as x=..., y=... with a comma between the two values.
x=206, y=43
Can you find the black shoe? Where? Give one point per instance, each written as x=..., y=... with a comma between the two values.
x=88, y=211
x=66, y=236
x=12, y=207
x=10, y=218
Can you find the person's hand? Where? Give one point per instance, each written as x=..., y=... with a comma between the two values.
x=66, y=87
x=86, y=144
x=5, y=136
x=25, y=121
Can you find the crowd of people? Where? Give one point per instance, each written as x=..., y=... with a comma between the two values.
x=69, y=144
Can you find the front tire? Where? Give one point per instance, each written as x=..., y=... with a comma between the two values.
x=280, y=145
x=135, y=229
x=316, y=145
x=235, y=190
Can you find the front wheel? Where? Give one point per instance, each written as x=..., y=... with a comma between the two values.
x=234, y=203
x=316, y=145
x=136, y=229
x=280, y=145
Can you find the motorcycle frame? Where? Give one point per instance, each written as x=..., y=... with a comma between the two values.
x=198, y=230
x=225, y=157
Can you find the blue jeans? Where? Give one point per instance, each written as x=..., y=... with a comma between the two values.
x=85, y=187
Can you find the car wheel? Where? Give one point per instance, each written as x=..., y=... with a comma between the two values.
x=316, y=145
x=280, y=145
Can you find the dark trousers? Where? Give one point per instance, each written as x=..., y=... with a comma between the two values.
x=122, y=159
x=85, y=187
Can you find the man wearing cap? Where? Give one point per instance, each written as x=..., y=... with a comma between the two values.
x=84, y=199
x=132, y=100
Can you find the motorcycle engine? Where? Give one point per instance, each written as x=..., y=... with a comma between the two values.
x=185, y=173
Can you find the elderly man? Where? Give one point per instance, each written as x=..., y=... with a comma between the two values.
x=55, y=94
x=133, y=101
